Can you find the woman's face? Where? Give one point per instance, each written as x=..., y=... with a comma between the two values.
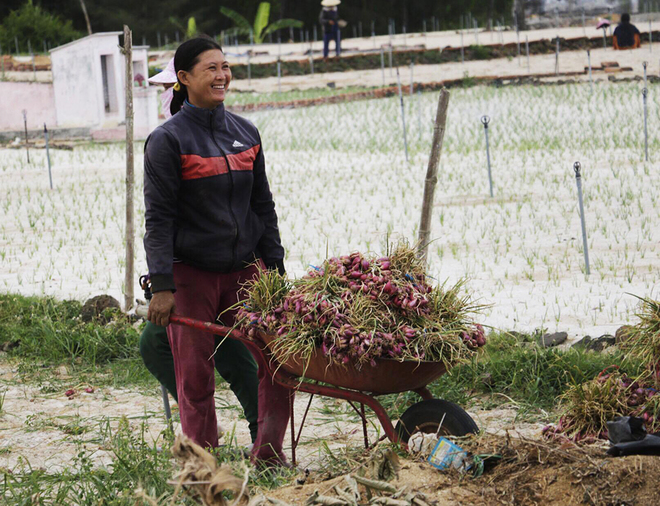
x=208, y=80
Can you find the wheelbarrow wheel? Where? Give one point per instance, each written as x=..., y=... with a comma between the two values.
x=425, y=416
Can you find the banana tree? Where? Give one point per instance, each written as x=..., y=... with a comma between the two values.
x=190, y=30
x=260, y=29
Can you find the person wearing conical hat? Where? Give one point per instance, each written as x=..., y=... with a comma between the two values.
x=329, y=19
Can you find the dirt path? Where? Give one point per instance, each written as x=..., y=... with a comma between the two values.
x=40, y=425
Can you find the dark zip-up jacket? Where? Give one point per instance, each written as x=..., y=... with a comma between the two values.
x=207, y=199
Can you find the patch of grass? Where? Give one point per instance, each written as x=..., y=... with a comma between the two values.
x=137, y=463
x=46, y=329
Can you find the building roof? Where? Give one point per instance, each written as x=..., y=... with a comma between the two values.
x=85, y=39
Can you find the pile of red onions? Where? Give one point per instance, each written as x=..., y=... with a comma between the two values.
x=359, y=309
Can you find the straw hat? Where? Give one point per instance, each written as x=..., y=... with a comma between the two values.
x=167, y=76
x=330, y=3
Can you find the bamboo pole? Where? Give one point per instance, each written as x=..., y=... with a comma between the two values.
x=432, y=174
x=130, y=231
x=84, y=9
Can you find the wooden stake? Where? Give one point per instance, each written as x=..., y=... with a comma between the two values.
x=84, y=9
x=432, y=174
x=130, y=231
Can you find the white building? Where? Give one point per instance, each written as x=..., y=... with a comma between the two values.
x=88, y=85
x=588, y=6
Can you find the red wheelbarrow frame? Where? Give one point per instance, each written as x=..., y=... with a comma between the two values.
x=295, y=383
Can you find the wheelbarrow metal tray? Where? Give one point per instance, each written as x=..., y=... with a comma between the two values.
x=386, y=377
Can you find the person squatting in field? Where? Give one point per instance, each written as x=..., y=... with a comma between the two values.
x=210, y=220
x=233, y=361
x=626, y=35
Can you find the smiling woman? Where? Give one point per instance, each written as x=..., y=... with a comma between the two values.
x=210, y=223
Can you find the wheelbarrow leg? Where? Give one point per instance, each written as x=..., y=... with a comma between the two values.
x=364, y=426
x=293, y=428
x=424, y=393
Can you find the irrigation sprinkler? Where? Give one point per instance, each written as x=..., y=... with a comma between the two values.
x=485, y=120
x=527, y=51
x=50, y=176
x=382, y=63
x=605, y=37
x=557, y=57
x=645, y=93
x=518, y=43
x=645, y=64
x=462, y=49
x=279, y=76
x=578, y=179
x=476, y=32
x=412, y=77
x=403, y=113
x=311, y=60
x=27, y=144
x=405, y=43
x=591, y=79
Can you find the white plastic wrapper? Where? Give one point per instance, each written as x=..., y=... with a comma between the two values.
x=421, y=443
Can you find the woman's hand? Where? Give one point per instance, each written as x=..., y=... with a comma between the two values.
x=160, y=308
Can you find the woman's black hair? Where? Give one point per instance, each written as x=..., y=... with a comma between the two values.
x=185, y=58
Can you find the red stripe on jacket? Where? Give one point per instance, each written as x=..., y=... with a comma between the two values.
x=197, y=167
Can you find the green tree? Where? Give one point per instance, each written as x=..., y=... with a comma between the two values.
x=190, y=30
x=260, y=29
x=31, y=23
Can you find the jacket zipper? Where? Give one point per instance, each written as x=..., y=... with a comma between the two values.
x=231, y=194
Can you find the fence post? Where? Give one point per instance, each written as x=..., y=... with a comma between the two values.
x=403, y=113
x=130, y=231
x=27, y=143
x=485, y=120
x=578, y=180
x=432, y=174
x=50, y=176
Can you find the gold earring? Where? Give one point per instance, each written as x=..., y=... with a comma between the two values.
x=177, y=86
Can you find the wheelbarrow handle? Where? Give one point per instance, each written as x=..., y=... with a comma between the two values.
x=211, y=328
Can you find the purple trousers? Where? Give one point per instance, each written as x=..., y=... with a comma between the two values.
x=204, y=295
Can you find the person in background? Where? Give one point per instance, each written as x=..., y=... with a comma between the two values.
x=626, y=35
x=167, y=79
x=211, y=226
x=233, y=361
x=329, y=19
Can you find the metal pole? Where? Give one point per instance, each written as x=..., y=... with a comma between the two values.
x=249, y=68
x=557, y=57
x=130, y=179
x=311, y=59
x=390, y=50
x=476, y=31
x=27, y=144
x=650, y=36
x=578, y=180
x=419, y=113
x=34, y=65
x=2, y=57
x=584, y=25
x=279, y=77
x=527, y=50
x=645, y=93
x=382, y=63
x=403, y=113
x=166, y=405
x=412, y=82
x=485, y=120
x=518, y=43
x=50, y=176
x=604, y=37
x=462, y=49
x=591, y=80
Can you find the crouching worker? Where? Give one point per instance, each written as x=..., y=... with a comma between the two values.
x=233, y=362
x=209, y=216
x=626, y=35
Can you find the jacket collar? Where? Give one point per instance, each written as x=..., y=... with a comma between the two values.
x=206, y=117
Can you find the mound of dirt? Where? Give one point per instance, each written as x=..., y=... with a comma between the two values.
x=93, y=308
x=525, y=472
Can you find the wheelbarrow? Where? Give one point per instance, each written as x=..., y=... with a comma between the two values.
x=319, y=376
